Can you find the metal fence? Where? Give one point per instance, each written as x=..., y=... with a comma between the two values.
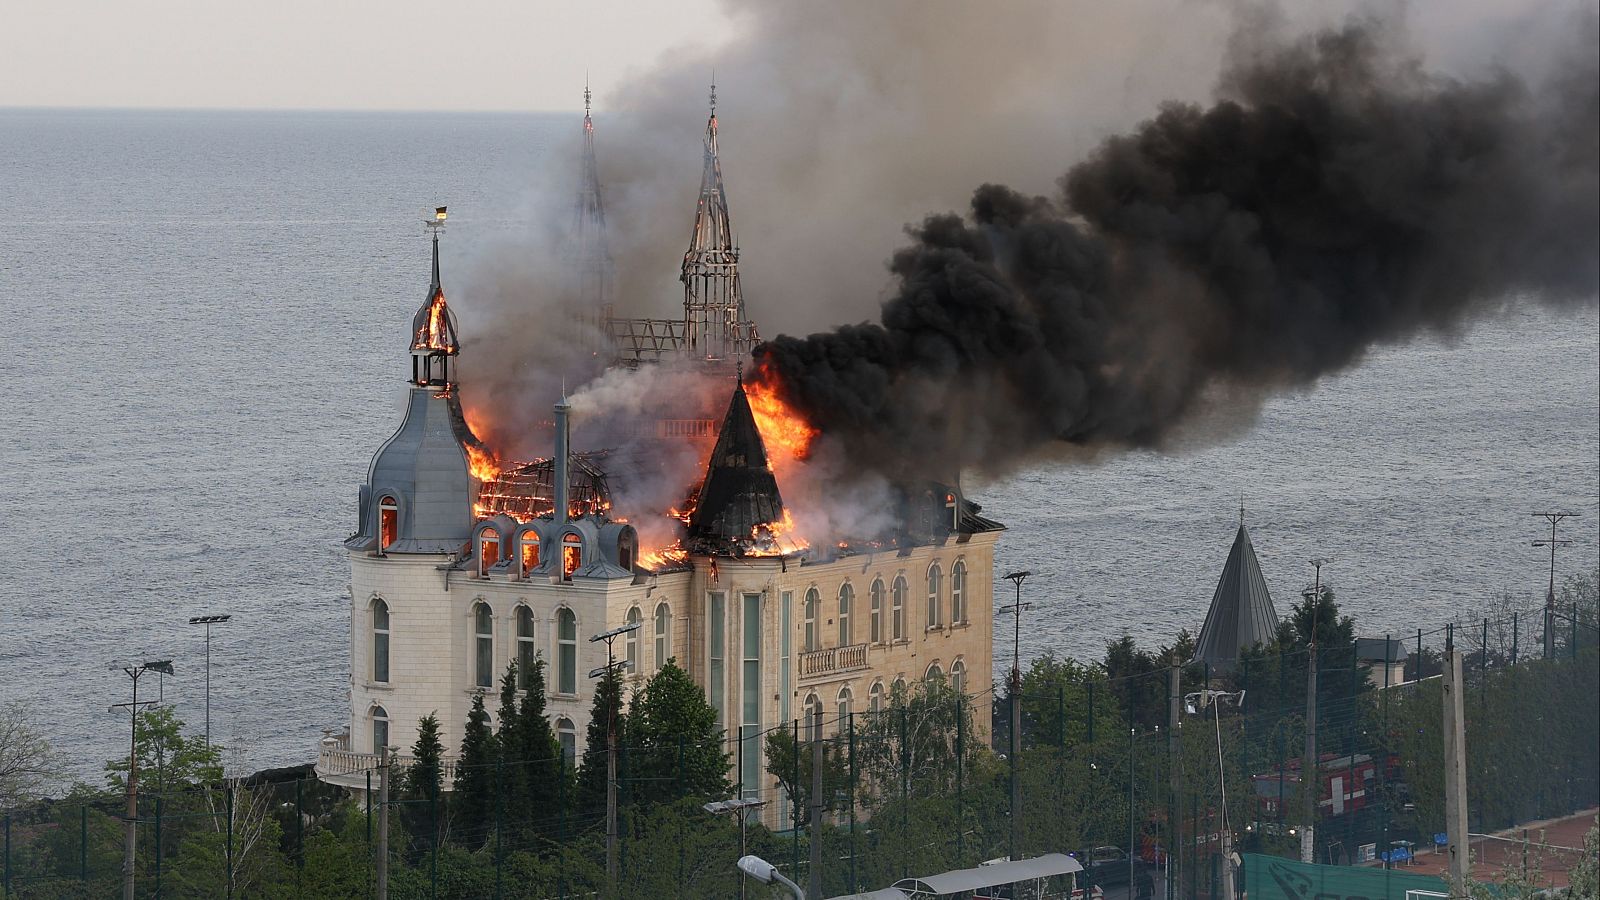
x=1148, y=778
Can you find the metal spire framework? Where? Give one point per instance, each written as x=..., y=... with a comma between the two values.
x=713, y=304
x=433, y=328
x=590, y=249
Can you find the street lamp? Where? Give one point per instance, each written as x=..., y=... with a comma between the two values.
x=738, y=806
x=1194, y=704
x=134, y=670
x=1015, y=700
x=208, y=621
x=607, y=671
x=767, y=873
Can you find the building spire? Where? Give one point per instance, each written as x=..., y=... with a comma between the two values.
x=433, y=328
x=590, y=250
x=715, y=323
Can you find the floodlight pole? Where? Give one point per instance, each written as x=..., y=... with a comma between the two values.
x=130, y=823
x=1550, y=598
x=208, y=621
x=1214, y=699
x=1015, y=700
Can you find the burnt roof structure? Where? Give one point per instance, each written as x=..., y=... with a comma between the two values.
x=739, y=497
x=1241, y=613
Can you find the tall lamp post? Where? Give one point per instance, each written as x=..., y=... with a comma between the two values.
x=1193, y=704
x=1554, y=518
x=1015, y=699
x=609, y=671
x=739, y=806
x=130, y=836
x=208, y=621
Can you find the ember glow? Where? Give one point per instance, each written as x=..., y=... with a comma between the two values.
x=435, y=332
x=483, y=464
x=785, y=432
x=778, y=538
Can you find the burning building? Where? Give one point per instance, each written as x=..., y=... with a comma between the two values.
x=462, y=563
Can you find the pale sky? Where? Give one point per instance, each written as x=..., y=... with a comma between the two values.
x=336, y=54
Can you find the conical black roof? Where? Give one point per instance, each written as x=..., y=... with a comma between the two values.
x=1241, y=611
x=739, y=493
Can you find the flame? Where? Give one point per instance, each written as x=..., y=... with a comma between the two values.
x=485, y=467
x=663, y=558
x=435, y=334
x=776, y=539
x=785, y=432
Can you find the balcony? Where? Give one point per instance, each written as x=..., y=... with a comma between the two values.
x=831, y=660
x=347, y=768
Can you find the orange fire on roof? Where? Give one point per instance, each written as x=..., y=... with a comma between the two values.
x=785, y=432
x=435, y=333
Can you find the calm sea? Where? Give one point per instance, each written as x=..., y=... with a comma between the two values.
x=205, y=345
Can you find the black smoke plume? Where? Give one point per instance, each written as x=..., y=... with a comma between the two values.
x=1335, y=197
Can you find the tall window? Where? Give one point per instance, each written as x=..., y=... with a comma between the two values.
x=488, y=550
x=571, y=555
x=566, y=651
x=530, y=553
x=847, y=597
x=812, y=604
x=483, y=645
x=785, y=651
x=750, y=699
x=631, y=643
x=380, y=641
x=567, y=735
x=958, y=593
x=388, y=522
x=935, y=585
x=875, y=619
x=813, y=717
x=717, y=640
x=934, y=673
x=958, y=676
x=663, y=634
x=526, y=648
x=380, y=729
x=845, y=696
x=875, y=697
x=626, y=550
x=899, y=616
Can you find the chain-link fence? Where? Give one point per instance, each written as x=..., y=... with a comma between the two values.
x=1149, y=779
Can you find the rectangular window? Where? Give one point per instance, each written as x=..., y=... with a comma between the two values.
x=485, y=661
x=380, y=656
x=717, y=636
x=750, y=728
x=785, y=649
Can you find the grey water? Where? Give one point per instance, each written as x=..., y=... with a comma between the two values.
x=206, y=342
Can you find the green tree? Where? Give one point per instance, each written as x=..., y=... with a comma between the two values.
x=168, y=759
x=423, y=782
x=25, y=764
x=675, y=747
x=474, y=800
x=535, y=755
x=606, y=713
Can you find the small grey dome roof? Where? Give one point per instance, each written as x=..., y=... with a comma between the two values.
x=424, y=468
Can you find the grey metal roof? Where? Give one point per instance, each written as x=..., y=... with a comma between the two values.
x=988, y=876
x=887, y=893
x=424, y=468
x=1241, y=611
x=1373, y=649
x=740, y=492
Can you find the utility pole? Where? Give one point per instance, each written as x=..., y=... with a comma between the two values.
x=1195, y=703
x=1455, y=770
x=814, y=876
x=384, y=758
x=131, y=819
x=208, y=621
x=1175, y=838
x=1553, y=518
x=1015, y=700
x=1310, y=769
x=740, y=807
x=610, y=670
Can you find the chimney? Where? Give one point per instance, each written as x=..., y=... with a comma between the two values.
x=559, y=474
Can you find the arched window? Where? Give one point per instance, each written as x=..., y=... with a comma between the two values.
x=388, y=522
x=530, y=552
x=813, y=709
x=527, y=650
x=847, y=597
x=663, y=634
x=483, y=645
x=875, y=619
x=567, y=736
x=488, y=550
x=935, y=602
x=958, y=676
x=566, y=651
x=380, y=729
x=845, y=697
x=899, y=616
x=571, y=555
x=958, y=593
x=631, y=642
x=812, y=609
x=875, y=697
x=899, y=692
x=934, y=673
x=380, y=641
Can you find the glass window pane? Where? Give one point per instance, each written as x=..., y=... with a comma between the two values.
x=380, y=657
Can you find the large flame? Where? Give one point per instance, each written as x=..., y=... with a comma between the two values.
x=435, y=333
x=786, y=433
x=483, y=464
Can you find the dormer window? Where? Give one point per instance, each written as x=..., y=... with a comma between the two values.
x=530, y=553
x=488, y=551
x=625, y=551
x=571, y=555
x=388, y=522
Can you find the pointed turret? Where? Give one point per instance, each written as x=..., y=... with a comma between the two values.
x=1241, y=613
x=713, y=303
x=739, y=497
x=590, y=247
x=433, y=328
